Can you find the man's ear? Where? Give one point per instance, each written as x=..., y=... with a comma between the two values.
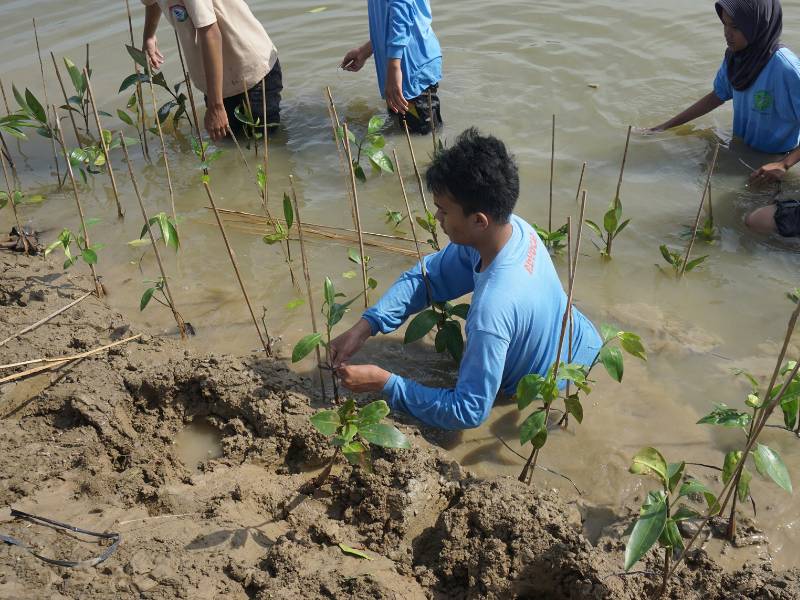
x=481, y=220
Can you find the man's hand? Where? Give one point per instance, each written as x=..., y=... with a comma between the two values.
x=394, y=88
x=216, y=122
x=355, y=59
x=154, y=56
x=769, y=173
x=363, y=378
x=350, y=342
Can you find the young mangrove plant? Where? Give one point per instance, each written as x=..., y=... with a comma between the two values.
x=252, y=127
x=31, y=113
x=206, y=153
x=659, y=517
x=178, y=100
x=354, y=257
x=79, y=101
x=353, y=430
x=553, y=239
x=371, y=145
x=394, y=219
x=83, y=250
x=613, y=224
x=281, y=232
x=676, y=261
x=767, y=461
x=449, y=336
x=20, y=198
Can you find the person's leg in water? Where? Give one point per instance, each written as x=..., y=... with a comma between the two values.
x=421, y=122
x=274, y=86
x=783, y=217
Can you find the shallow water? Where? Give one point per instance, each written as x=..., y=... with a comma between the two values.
x=197, y=443
x=599, y=66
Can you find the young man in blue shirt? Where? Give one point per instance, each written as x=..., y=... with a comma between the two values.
x=408, y=60
x=518, y=303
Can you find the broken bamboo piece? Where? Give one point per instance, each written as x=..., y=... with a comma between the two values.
x=265, y=162
x=66, y=99
x=706, y=188
x=358, y=216
x=419, y=181
x=46, y=98
x=552, y=174
x=336, y=125
x=49, y=317
x=139, y=95
x=433, y=123
x=104, y=145
x=178, y=318
x=580, y=183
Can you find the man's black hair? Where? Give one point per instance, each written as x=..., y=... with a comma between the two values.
x=479, y=173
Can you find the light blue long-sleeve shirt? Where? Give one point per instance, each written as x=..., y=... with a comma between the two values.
x=512, y=328
x=402, y=29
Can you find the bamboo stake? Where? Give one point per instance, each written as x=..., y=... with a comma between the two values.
x=98, y=287
x=267, y=344
x=139, y=95
x=5, y=98
x=433, y=123
x=46, y=319
x=46, y=99
x=26, y=247
x=619, y=185
x=178, y=319
x=266, y=142
x=163, y=145
x=66, y=99
x=419, y=181
x=335, y=125
x=54, y=363
x=700, y=211
x=189, y=91
x=580, y=183
x=85, y=113
x=552, y=174
x=307, y=276
x=104, y=145
x=423, y=270
x=358, y=216
x=530, y=466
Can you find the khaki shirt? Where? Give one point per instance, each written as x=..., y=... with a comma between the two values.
x=247, y=52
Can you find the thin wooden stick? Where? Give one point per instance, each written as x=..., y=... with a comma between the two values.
x=54, y=363
x=336, y=125
x=139, y=94
x=98, y=287
x=189, y=90
x=178, y=318
x=163, y=146
x=307, y=276
x=41, y=322
x=26, y=246
x=358, y=216
x=46, y=98
x=610, y=240
x=267, y=344
x=5, y=98
x=580, y=183
x=104, y=145
x=419, y=181
x=552, y=174
x=413, y=228
x=433, y=123
x=66, y=99
x=266, y=143
x=700, y=211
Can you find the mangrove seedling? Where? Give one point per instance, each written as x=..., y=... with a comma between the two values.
x=658, y=517
x=394, y=218
x=251, y=125
x=555, y=241
x=612, y=227
x=352, y=430
x=708, y=233
x=84, y=251
x=166, y=225
x=178, y=100
x=430, y=224
x=31, y=114
x=449, y=336
x=79, y=102
x=156, y=291
x=20, y=198
x=353, y=257
x=14, y=123
x=767, y=461
x=371, y=144
x=675, y=260
x=281, y=232
x=91, y=159
x=206, y=153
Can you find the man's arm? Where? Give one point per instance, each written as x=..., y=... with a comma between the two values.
x=152, y=16
x=402, y=20
x=216, y=120
x=776, y=170
x=354, y=60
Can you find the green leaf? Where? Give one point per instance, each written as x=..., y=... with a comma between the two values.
x=21, y=100
x=574, y=407
x=769, y=463
x=353, y=256
x=372, y=413
x=649, y=461
x=729, y=467
x=695, y=487
x=611, y=358
x=685, y=513
x=533, y=426
x=608, y=332
x=76, y=76
x=355, y=453
x=421, y=325
x=594, y=227
x=146, y=297
x=327, y=422
x=288, y=212
x=727, y=417
x=372, y=283
x=693, y=263
x=529, y=389
x=674, y=474
x=671, y=537
x=461, y=311
x=305, y=346
x=647, y=531
x=163, y=112
x=632, y=344
x=451, y=339
x=35, y=106
x=353, y=551
x=622, y=226
x=667, y=254
x=610, y=221
x=375, y=124
x=139, y=57
x=329, y=292
x=89, y=256
x=743, y=488
x=131, y=80
x=385, y=435
x=359, y=172
x=381, y=161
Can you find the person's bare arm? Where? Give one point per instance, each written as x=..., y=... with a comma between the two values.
x=152, y=16
x=355, y=58
x=702, y=107
x=216, y=120
x=776, y=170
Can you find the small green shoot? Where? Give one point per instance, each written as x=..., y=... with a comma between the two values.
x=613, y=225
x=554, y=241
x=82, y=251
x=394, y=219
x=371, y=144
x=281, y=232
x=20, y=198
x=675, y=260
x=166, y=226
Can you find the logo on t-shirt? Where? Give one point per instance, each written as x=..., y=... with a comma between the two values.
x=762, y=101
x=179, y=12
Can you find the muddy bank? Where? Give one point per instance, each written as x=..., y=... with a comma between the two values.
x=94, y=444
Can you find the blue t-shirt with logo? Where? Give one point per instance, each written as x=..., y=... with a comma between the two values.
x=767, y=114
x=513, y=326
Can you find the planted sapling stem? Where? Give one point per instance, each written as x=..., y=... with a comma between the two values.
x=436, y=142
x=46, y=99
x=104, y=137
x=553, y=240
x=336, y=126
x=429, y=222
x=27, y=247
x=88, y=252
x=66, y=99
x=139, y=95
x=580, y=183
x=706, y=190
x=193, y=124
x=358, y=215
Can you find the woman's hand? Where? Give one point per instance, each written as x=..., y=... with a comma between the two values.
x=154, y=56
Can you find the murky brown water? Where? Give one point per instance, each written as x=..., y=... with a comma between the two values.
x=508, y=67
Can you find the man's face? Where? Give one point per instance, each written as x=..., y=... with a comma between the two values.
x=459, y=228
x=735, y=38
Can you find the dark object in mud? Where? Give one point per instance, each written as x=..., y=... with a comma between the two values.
x=14, y=241
x=189, y=328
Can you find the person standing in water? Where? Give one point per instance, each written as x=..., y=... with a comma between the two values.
x=408, y=60
x=762, y=77
x=227, y=52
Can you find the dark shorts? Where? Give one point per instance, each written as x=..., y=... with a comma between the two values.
x=787, y=218
x=273, y=83
x=425, y=104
